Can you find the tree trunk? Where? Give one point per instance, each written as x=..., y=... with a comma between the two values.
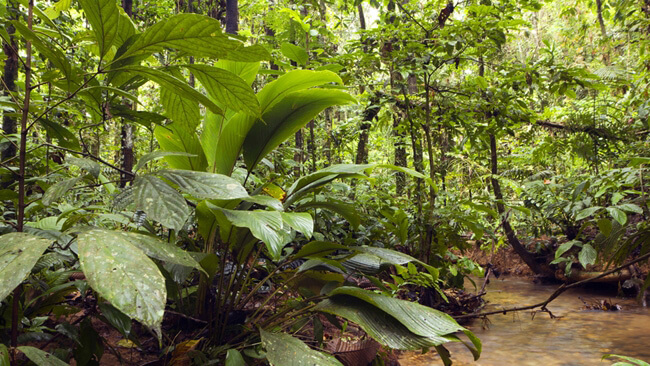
x=327, y=149
x=126, y=135
x=599, y=6
x=232, y=16
x=368, y=115
x=514, y=242
x=299, y=155
x=9, y=81
x=400, y=155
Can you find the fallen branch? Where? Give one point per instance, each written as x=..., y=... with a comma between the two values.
x=542, y=305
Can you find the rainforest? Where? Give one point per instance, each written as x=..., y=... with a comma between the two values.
x=324, y=182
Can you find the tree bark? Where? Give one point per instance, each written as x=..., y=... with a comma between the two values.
x=232, y=16
x=9, y=83
x=599, y=8
x=526, y=256
x=126, y=135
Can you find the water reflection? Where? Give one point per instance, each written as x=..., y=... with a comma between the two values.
x=578, y=337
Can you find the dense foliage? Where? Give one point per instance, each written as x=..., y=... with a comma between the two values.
x=235, y=191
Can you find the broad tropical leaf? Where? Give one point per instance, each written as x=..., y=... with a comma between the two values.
x=205, y=185
x=57, y=190
x=285, y=350
x=154, y=155
x=587, y=255
x=166, y=252
x=86, y=164
x=4, y=356
x=104, y=17
x=19, y=252
x=174, y=85
x=183, y=111
x=299, y=221
x=245, y=70
x=41, y=358
x=222, y=140
x=50, y=52
x=346, y=210
x=395, y=323
x=226, y=88
x=285, y=118
x=291, y=82
x=195, y=34
x=178, y=139
x=124, y=275
x=160, y=201
x=294, y=53
x=234, y=358
x=264, y=225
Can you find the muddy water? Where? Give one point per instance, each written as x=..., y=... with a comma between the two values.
x=577, y=337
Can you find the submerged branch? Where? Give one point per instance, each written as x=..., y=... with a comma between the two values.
x=542, y=305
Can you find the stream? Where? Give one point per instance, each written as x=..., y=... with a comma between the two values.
x=576, y=337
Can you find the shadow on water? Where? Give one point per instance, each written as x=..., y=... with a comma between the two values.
x=577, y=337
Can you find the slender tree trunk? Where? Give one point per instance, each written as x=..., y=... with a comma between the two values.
x=311, y=146
x=20, y=216
x=369, y=114
x=126, y=135
x=9, y=84
x=525, y=255
x=400, y=155
x=513, y=240
x=327, y=149
x=599, y=6
x=232, y=16
x=299, y=155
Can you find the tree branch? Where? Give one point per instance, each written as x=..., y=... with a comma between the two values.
x=542, y=305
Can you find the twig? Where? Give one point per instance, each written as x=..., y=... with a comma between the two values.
x=542, y=305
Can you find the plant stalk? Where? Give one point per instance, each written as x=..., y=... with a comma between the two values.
x=20, y=218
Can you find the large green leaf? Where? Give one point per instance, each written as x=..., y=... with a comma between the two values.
x=324, y=176
x=587, y=255
x=205, y=185
x=88, y=165
x=4, y=355
x=125, y=29
x=222, y=140
x=160, y=201
x=65, y=138
x=194, y=34
x=166, y=252
x=234, y=358
x=245, y=70
x=372, y=260
x=285, y=118
x=104, y=17
x=183, y=111
x=174, y=85
x=157, y=154
x=618, y=215
x=19, y=252
x=226, y=88
x=395, y=323
x=291, y=82
x=49, y=51
x=346, y=210
x=178, y=139
x=124, y=275
x=57, y=190
x=41, y=358
x=294, y=53
x=285, y=350
x=264, y=225
x=299, y=221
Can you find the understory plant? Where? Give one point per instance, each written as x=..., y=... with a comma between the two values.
x=208, y=235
